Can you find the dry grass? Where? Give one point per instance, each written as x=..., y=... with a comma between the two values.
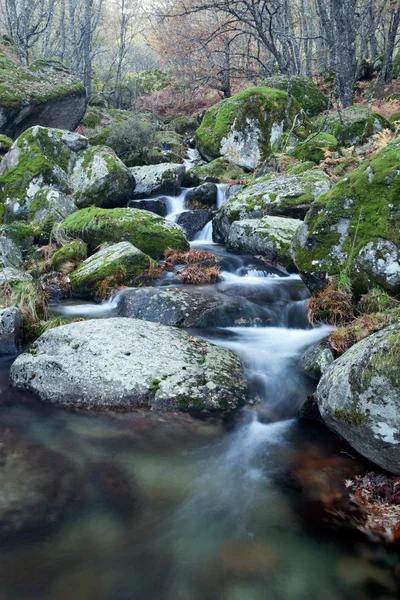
x=148, y=276
x=189, y=257
x=343, y=338
x=197, y=275
x=331, y=305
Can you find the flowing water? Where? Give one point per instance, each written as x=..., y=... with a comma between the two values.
x=208, y=509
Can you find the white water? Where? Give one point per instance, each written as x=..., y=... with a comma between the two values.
x=192, y=159
x=176, y=205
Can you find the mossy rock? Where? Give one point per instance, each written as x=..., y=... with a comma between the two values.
x=219, y=169
x=49, y=206
x=352, y=126
x=171, y=144
x=72, y=252
x=5, y=144
x=145, y=230
x=298, y=168
x=306, y=92
x=183, y=125
x=243, y=129
x=395, y=117
x=354, y=228
x=312, y=149
x=277, y=195
x=113, y=266
x=45, y=93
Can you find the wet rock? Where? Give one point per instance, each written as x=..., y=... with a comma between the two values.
x=116, y=488
x=36, y=483
x=165, y=178
x=270, y=237
x=359, y=397
x=126, y=364
x=156, y=205
x=205, y=194
x=316, y=360
x=193, y=221
x=11, y=333
x=115, y=265
x=248, y=558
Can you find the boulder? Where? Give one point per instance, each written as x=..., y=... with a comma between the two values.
x=45, y=93
x=275, y=195
x=5, y=145
x=37, y=484
x=355, y=226
x=72, y=252
x=100, y=178
x=13, y=275
x=165, y=178
x=50, y=206
x=352, y=126
x=205, y=195
x=244, y=128
x=125, y=364
x=148, y=232
x=359, y=398
x=316, y=360
x=193, y=221
x=269, y=237
x=306, y=92
x=219, y=170
x=10, y=253
x=118, y=265
x=312, y=149
x=158, y=206
x=11, y=333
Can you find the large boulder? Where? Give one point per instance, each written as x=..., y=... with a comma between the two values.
x=148, y=232
x=45, y=93
x=359, y=397
x=352, y=126
x=126, y=364
x=100, y=178
x=11, y=333
x=275, y=195
x=355, y=226
x=306, y=92
x=165, y=178
x=270, y=237
x=115, y=265
x=37, y=484
x=243, y=129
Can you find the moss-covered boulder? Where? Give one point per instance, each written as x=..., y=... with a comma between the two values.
x=218, y=169
x=313, y=148
x=275, y=195
x=109, y=268
x=145, y=230
x=170, y=147
x=100, y=178
x=45, y=93
x=352, y=126
x=306, y=92
x=243, y=129
x=39, y=158
x=165, y=178
x=354, y=228
x=269, y=237
x=5, y=145
x=359, y=398
x=72, y=252
x=50, y=206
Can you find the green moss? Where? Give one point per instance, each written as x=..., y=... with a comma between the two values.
x=145, y=230
x=353, y=125
x=352, y=417
x=312, y=149
x=299, y=168
x=306, y=92
x=395, y=117
x=101, y=138
x=5, y=144
x=386, y=363
x=75, y=252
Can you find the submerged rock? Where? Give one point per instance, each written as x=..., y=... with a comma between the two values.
x=165, y=178
x=359, y=397
x=270, y=236
x=355, y=226
x=124, y=364
x=45, y=93
x=275, y=195
x=113, y=266
x=11, y=333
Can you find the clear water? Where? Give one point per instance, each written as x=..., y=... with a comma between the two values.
x=208, y=509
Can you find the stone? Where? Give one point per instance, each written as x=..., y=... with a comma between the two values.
x=100, y=178
x=125, y=364
x=270, y=237
x=118, y=265
x=316, y=360
x=10, y=253
x=49, y=206
x=359, y=397
x=11, y=333
x=353, y=125
x=275, y=195
x=219, y=170
x=45, y=94
x=313, y=148
x=158, y=206
x=243, y=129
x=145, y=230
x=13, y=275
x=205, y=195
x=193, y=221
x=355, y=226
x=72, y=252
x=165, y=178
x=5, y=145
x=306, y=92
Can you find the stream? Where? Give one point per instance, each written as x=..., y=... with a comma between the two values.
x=209, y=508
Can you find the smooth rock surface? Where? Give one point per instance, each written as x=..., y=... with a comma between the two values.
x=165, y=178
